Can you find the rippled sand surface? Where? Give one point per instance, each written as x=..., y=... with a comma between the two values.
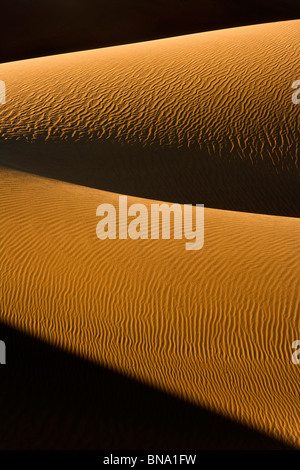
x=200, y=118
x=214, y=326
x=204, y=118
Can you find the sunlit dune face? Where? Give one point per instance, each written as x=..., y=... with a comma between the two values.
x=221, y=101
x=223, y=89
x=213, y=326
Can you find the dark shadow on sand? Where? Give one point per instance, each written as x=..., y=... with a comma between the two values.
x=37, y=28
x=53, y=400
x=171, y=175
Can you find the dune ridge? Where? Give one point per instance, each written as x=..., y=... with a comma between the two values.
x=214, y=327
x=105, y=24
x=210, y=114
x=85, y=403
x=205, y=118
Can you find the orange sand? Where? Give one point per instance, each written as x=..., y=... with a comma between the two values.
x=213, y=326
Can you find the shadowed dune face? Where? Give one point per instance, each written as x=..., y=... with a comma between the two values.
x=206, y=118
x=214, y=327
x=206, y=112
x=84, y=406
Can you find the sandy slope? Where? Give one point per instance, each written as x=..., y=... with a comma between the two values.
x=213, y=326
x=34, y=28
x=206, y=118
x=201, y=118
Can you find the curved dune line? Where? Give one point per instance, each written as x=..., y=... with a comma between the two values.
x=200, y=118
x=214, y=326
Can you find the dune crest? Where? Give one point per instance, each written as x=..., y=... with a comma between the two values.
x=213, y=326
x=204, y=118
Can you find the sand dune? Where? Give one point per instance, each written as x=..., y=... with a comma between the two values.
x=35, y=28
x=214, y=327
x=71, y=403
x=205, y=118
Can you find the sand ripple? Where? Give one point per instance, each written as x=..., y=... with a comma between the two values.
x=212, y=112
x=213, y=326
